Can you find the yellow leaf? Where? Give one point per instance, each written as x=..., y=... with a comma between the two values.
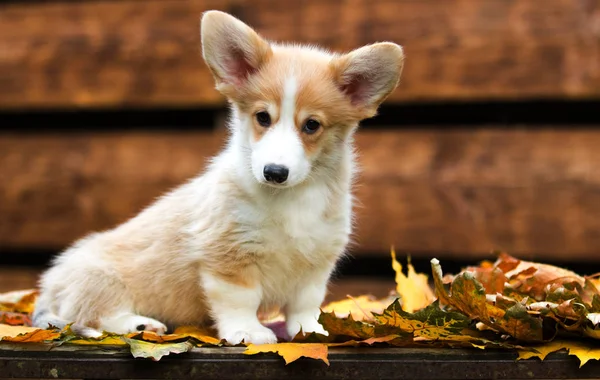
x=431, y=323
x=15, y=296
x=27, y=303
x=111, y=340
x=413, y=288
x=26, y=334
x=202, y=335
x=584, y=351
x=360, y=308
x=155, y=351
x=291, y=351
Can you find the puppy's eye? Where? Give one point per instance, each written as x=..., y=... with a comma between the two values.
x=263, y=118
x=311, y=126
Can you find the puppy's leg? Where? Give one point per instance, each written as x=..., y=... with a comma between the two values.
x=126, y=322
x=234, y=309
x=303, y=308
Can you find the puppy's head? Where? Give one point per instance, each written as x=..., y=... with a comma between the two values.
x=296, y=105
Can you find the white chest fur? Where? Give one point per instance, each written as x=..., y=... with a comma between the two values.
x=293, y=233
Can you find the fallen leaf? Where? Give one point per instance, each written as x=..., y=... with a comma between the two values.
x=14, y=319
x=346, y=327
x=541, y=351
x=492, y=278
x=291, y=351
x=431, y=322
x=532, y=278
x=110, y=340
x=468, y=296
x=394, y=340
x=413, y=288
x=15, y=296
x=361, y=308
x=27, y=303
x=23, y=334
x=155, y=351
x=584, y=351
x=202, y=335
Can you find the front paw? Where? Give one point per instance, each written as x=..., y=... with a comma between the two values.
x=261, y=335
x=308, y=324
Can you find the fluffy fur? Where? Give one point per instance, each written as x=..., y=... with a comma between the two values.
x=230, y=243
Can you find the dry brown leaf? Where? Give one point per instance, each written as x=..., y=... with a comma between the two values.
x=492, y=278
x=468, y=296
x=532, y=278
x=413, y=288
x=291, y=351
x=14, y=319
x=23, y=334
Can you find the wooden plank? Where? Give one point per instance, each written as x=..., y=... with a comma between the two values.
x=145, y=53
x=531, y=192
x=18, y=278
x=67, y=361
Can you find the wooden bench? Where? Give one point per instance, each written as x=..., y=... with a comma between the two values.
x=68, y=362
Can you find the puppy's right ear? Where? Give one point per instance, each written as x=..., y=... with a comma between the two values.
x=232, y=50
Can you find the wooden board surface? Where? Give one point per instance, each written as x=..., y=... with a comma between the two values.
x=454, y=191
x=146, y=52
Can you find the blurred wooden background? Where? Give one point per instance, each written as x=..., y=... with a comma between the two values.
x=528, y=184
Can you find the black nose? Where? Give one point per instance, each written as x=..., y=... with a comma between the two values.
x=276, y=173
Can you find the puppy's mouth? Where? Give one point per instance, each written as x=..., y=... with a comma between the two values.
x=274, y=185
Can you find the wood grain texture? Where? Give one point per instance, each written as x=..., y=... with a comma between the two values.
x=147, y=52
x=444, y=191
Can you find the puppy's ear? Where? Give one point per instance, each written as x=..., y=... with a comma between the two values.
x=369, y=74
x=231, y=49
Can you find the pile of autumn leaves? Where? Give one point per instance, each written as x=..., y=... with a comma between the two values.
x=534, y=309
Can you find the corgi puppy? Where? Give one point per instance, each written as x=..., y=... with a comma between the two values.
x=265, y=223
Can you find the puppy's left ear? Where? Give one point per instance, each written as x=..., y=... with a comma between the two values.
x=369, y=74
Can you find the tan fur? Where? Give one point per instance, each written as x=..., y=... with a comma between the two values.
x=226, y=244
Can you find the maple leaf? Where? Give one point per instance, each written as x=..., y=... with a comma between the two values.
x=468, y=296
x=346, y=327
x=155, y=351
x=430, y=323
x=413, y=288
x=23, y=334
x=361, y=308
x=14, y=319
x=491, y=277
x=203, y=336
x=291, y=351
x=532, y=278
x=584, y=351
